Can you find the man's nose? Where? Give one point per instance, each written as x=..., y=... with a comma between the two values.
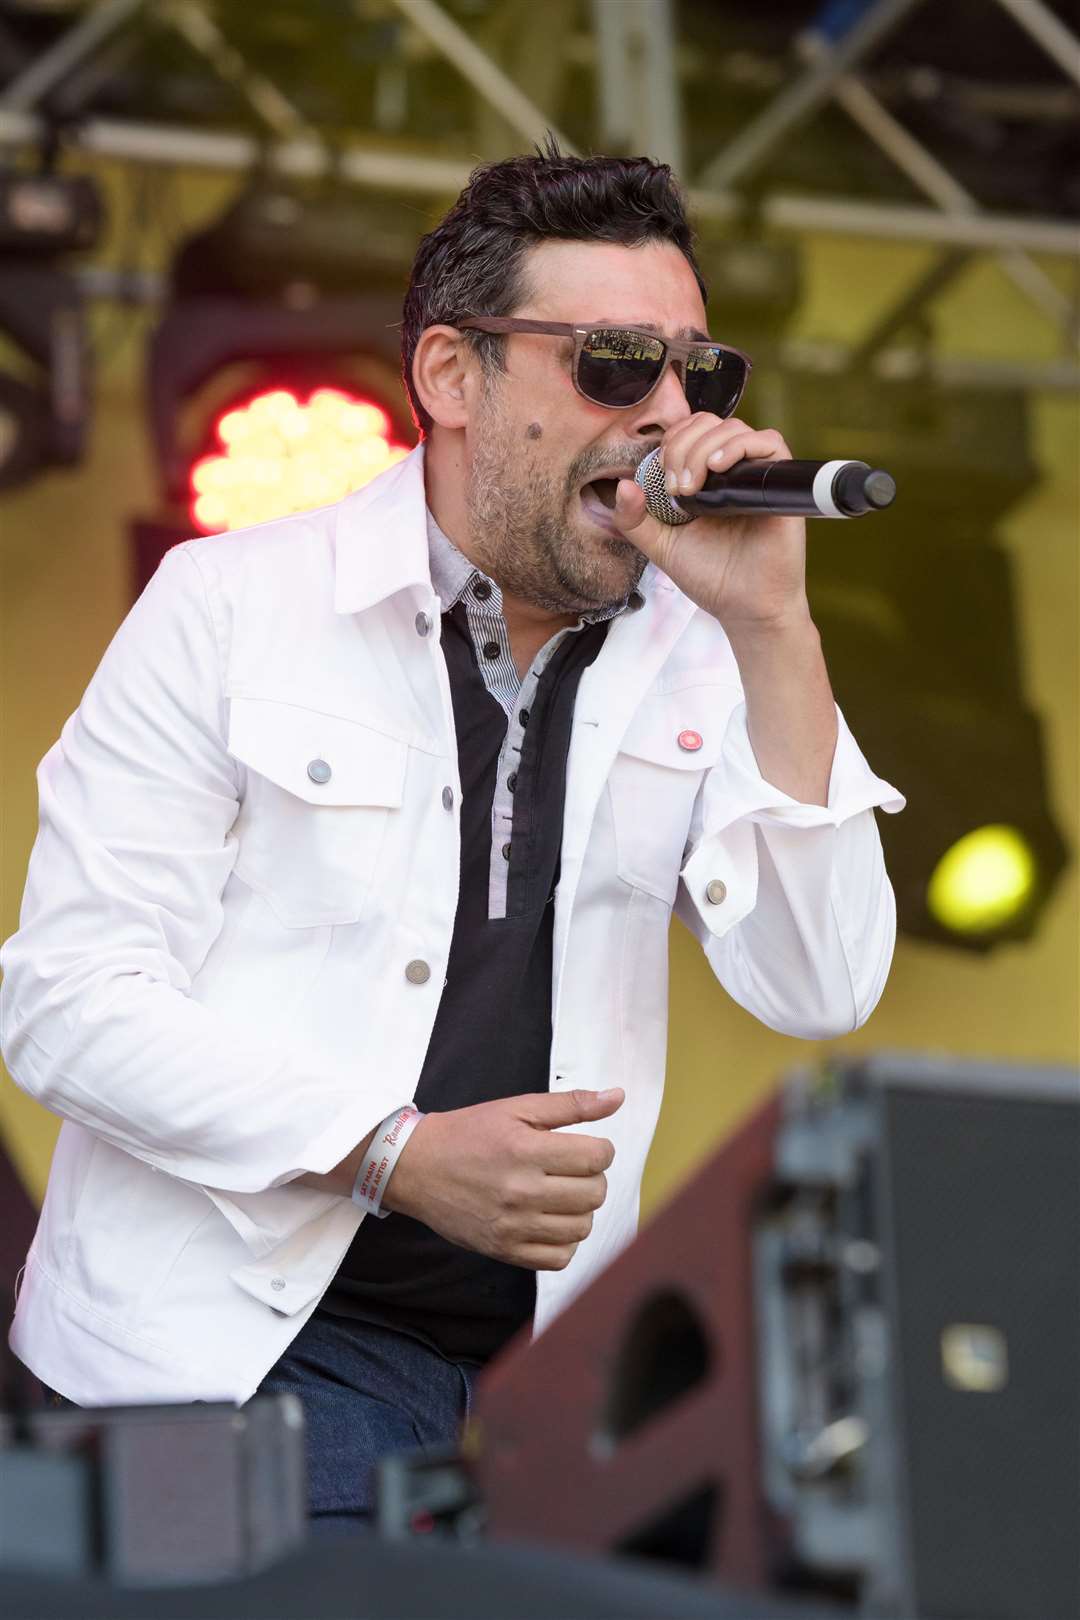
x=666, y=405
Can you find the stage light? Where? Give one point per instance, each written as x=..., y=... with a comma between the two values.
x=274, y=376
x=918, y=617
x=984, y=881
x=279, y=455
x=285, y=292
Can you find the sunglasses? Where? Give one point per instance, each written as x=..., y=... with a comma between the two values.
x=619, y=366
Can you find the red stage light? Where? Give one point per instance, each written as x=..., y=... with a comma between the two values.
x=277, y=455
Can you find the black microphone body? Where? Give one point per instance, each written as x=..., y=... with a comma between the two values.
x=841, y=489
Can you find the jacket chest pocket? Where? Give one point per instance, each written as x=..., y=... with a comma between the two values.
x=319, y=794
x=653, y=784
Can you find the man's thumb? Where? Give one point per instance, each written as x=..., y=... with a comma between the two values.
x=551, y=1109
x=634, y=518
x=630, y=508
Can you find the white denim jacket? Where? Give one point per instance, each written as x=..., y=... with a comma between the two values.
x=209, y=981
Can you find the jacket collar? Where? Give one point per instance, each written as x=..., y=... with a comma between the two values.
x=380, y=537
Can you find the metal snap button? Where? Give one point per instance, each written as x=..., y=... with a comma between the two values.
x=418, y=972
x=716, y=892
x=319, y=770
x=277, y=1283
x=423, y=624
x=690, y=740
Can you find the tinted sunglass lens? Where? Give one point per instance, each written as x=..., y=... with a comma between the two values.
x=715, y=379
x=617, y=367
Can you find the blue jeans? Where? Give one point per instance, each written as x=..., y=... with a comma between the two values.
x=366, y=1391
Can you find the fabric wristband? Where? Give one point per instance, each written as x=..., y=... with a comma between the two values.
x=385, y=1150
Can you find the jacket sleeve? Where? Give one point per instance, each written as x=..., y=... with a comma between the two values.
x=121, y=906
x=790, y=901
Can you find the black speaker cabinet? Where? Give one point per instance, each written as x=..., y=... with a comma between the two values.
x=918, y=1288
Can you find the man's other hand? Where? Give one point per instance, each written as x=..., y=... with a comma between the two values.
x=500, y=1179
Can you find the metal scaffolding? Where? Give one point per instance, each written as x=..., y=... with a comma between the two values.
x=638, y=106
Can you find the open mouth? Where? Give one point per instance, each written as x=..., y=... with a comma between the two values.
x=598, y=500
x=605, y=489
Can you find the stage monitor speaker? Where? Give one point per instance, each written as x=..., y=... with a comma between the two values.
x=919, y=1299
x=153, y=1495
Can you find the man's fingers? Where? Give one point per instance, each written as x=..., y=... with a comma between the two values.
x=544, y=1256
x=681, y=444
x=558, y=1230
x=550, y=1109
x=561, y=1154
x=573, y=1195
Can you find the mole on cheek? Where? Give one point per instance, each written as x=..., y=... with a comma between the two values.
x=534, y=431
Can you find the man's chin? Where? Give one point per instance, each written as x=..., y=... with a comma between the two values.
x=618, y=566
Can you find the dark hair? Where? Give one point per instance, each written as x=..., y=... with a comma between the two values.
x=472, y=263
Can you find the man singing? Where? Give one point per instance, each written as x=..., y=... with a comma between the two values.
x=343, y=952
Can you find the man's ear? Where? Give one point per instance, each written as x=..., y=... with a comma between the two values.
x=443, y=367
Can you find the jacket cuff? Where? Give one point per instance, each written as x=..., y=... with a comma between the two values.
x=721, y=872
x=737, y=790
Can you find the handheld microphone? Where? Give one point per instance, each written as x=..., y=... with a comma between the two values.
x=835, y=489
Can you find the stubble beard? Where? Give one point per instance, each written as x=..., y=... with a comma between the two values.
x=523, y=535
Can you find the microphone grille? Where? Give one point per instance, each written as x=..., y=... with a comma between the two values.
x=650, y=477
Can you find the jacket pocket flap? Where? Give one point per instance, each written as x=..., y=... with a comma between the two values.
x=683, y=730
x=295, y=747
x=286, y=1295
x=302, y=1267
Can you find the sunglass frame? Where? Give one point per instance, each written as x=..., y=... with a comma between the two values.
x=676, y=350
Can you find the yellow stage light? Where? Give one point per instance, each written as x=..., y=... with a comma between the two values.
x=278, y=456
x=983, y=881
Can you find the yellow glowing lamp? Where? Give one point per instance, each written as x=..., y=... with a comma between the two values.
x=278, y=455
x=983, y=881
